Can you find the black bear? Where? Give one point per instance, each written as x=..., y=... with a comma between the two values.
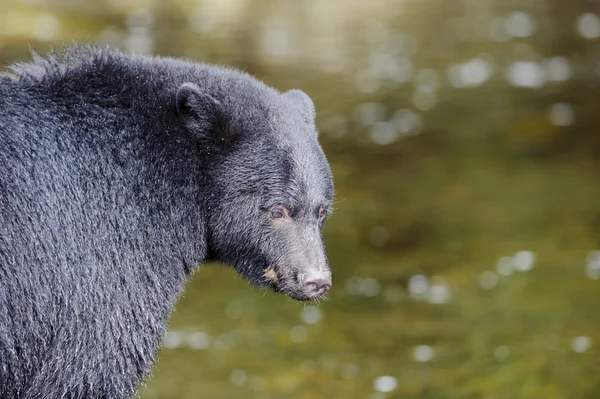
x=120, y=174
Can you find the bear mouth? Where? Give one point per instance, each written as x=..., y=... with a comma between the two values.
x=272, y=280
x=271, y=276
x=281, y=285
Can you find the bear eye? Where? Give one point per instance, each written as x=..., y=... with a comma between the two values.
x=278, y=212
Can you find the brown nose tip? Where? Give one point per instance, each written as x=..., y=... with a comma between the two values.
x=316, y=287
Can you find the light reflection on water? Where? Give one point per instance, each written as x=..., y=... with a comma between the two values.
x=464, y=246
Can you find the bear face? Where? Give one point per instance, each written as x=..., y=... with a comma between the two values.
x=271, y=186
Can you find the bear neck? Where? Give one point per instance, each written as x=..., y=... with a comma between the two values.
x=132, y=99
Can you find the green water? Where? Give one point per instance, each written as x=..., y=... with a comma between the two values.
x=462, y=242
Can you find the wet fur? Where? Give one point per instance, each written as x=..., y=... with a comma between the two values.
x=110, y=197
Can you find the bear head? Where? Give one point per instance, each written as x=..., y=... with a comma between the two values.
x=267, y=186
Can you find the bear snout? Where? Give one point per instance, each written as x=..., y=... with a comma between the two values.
x=314, y=283
x=301, y=286
x=316, y=286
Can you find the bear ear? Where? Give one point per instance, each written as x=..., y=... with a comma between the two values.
x=201, y=113
x=303, y=101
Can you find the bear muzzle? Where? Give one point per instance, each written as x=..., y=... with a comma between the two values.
x=303, y=287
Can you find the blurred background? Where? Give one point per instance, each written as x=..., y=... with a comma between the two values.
x=465, y=244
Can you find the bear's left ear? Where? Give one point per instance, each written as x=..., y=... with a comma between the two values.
x=303, y=101
x=201, y=113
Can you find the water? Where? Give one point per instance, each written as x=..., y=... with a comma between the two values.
x=465, y=238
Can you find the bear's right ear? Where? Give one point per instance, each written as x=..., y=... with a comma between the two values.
x=201, y=113
x=304, y=102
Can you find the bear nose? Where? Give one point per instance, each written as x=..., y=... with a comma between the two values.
x=316, y=284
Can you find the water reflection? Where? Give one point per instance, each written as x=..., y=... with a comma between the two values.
x=593, y=265
x=385, y=383
x=465, y=238
x=588, y=25
x=423, y=353
x=581, y=344
x=471, y=73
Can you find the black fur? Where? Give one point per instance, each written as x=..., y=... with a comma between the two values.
x=118, y=176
